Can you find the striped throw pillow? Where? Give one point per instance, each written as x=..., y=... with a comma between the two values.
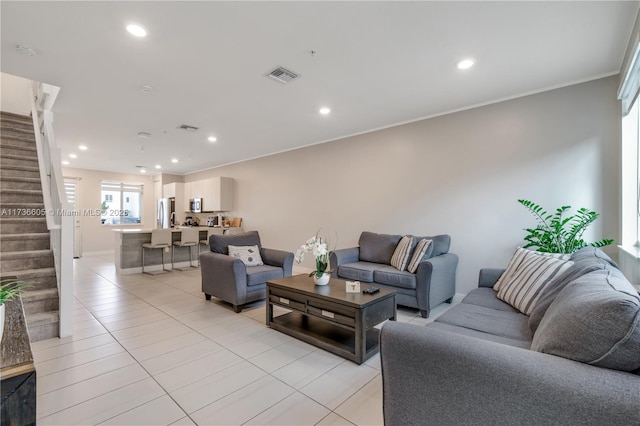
x=401, y=254
x=523, y=288
x=418, y=254
x=520, y=256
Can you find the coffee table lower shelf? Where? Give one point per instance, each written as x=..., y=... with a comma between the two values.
x=325, y=335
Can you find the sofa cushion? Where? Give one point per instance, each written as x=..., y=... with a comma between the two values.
x=439, y=245
x=488, y=298
x=524, y=344
x=220, y=243
x=525, y=285
x=263, y=273
x=592, y=253
x=359, y=271
x=377, y=248
x=387, y=274
x=595, y=320
x=400, y=256
x=579, y=268
x=512, y=325
x=419, y=253
x=250, y=255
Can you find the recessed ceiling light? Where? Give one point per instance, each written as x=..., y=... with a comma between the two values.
x=65, y=163
x=174, y=160
x=158, y=166
x=82, y=147
x=73, y=156
x=465, y=64
x=144, y=135
x=324, y=110
x=145, y=88
x=212, y=139
x=136, y=30
x=143, y=171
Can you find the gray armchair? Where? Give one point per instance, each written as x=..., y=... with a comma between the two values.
x=227, y=277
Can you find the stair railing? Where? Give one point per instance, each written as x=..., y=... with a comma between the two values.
x=59, y=214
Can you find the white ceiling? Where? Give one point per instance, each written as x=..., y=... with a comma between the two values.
x=377, y=64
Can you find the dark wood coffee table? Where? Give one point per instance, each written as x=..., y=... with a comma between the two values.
x=328, y=317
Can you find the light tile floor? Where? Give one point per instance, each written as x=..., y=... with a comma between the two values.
x=150, y=350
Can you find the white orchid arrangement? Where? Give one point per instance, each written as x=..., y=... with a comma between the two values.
x=318, y=247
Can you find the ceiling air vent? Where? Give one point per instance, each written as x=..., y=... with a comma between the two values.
x=282, y=75
x=187, y=128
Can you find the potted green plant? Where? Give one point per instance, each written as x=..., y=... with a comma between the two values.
x=557, y=233
x=10, y=287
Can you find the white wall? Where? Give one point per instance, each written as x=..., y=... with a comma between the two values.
x=14, y=94
x=459, y=174
x=98, y=238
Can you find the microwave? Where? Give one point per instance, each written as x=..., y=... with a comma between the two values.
x=195, y=205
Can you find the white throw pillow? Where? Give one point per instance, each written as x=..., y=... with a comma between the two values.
x=529, y=277
x=418, y=254
x=518, y=257
x=401, y=254
x=250, y=255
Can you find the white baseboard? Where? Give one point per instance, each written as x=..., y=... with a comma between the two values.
x=98, y=253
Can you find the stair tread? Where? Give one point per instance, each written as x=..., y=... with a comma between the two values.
x=46, y=293
x=27, y=236
x=21, y=191
x=21, y=168
x=21, y=179
x=22, y=219
x=11, y=255
x=42, y=318
x=27, y=274
x=6, y=144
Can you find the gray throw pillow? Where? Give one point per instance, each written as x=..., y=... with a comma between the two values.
x=595, y=320
x=220, y=243
x=377, y=248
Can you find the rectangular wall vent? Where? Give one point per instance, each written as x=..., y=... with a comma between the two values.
x=187, y=128
x=282, y=75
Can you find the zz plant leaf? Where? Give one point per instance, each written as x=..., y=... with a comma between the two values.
x=557, y=233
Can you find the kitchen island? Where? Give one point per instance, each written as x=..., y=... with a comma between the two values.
x=128, y=248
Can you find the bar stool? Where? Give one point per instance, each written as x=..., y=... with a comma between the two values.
x=189, y=238
x=160, y=239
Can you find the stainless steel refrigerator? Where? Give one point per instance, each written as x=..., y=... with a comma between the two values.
x=166, y=212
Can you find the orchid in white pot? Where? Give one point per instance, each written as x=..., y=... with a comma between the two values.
x=319, y=248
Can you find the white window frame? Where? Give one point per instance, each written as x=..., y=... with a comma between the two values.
x=121, y=188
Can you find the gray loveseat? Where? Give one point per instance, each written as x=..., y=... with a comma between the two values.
x=229, y=279
x=574, y=360
x=370, y=263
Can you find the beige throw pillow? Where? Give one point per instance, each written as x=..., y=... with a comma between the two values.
x=528, y=277
x=401, y=254
x=418, y=254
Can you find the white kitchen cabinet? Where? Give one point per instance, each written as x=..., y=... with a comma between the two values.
x=217, y=194
x=173, y=190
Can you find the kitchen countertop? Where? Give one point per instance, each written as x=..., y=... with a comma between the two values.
x=176, y=229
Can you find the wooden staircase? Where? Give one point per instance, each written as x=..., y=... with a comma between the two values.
x=25, y=250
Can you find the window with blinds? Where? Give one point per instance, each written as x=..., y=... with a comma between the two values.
x=121, y=203
x=628, y=95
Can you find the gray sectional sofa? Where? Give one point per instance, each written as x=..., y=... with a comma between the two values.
x=574, y=360
x=370, y=263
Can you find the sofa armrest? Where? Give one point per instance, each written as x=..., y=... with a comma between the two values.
x=442, y=378
x=342, y=256
x=223, y=275
x=436, y=279
x=489, y=276
x=281, y=258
